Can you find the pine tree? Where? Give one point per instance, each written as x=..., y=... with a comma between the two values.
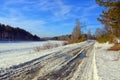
x=110, y=17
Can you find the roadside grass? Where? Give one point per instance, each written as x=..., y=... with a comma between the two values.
x=106, y=38
x=48, y=46
x=116, y=47
x=37, y=49
x=65, y=43
x=77, y=40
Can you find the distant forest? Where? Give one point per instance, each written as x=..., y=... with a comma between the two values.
x=9, y=33
x=62, y=37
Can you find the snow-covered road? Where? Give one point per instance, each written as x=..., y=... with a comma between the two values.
x=62, y=63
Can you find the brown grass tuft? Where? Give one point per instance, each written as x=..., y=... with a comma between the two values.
x=46, y=46
x=65, y=43
x=37, y=49
x=77, y=40
x=116, y=47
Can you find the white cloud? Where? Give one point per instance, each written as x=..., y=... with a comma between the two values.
x=88, y=11
x=57, y=8
x=63, y=9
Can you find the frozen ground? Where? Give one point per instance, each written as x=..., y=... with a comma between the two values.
x=54, y=64
x=108, y=62
x=81, y=61
x=19, y=52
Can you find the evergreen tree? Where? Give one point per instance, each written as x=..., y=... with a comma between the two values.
x=110, y=16
x=9, y=33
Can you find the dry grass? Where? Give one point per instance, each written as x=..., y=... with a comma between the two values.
x=56, y=45
x=46, y=46
x=38, y=49
x=116, y=47
x=65, y=43
x=77, y=40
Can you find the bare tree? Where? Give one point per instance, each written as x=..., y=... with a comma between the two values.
x=89, y=35
x=77, y=31
x=99, y=32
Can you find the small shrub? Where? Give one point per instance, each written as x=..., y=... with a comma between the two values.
x=77, y=40
x=65, y=43
x=46, y=46
x=56, y=45
x=37, y=49
x=106, y=38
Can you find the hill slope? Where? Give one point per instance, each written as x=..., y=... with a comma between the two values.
x=9, y=33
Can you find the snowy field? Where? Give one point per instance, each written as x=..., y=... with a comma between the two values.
x=60, y=63
x=14, y=53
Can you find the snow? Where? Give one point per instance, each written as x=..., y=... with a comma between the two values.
x=100, y=64
x=108, y=62
x=20, y=52
x=54, y=60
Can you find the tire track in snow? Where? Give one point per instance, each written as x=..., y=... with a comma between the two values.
x=95, y=76
x=95, y=72
x=55, y=65
x=67, y=70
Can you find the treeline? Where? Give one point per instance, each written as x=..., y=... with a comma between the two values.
x=110, y=17
x=63, y=37
x=9, y=33
x=77, y=35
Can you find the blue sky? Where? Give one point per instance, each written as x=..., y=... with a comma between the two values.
x=48, y=18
